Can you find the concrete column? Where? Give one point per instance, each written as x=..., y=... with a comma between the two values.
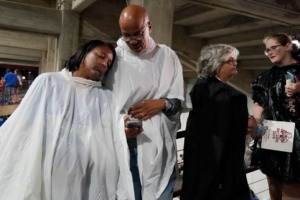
x=68, y=38
x=43, y=63
x=161, y=15
x=52, y=55
x=69, y=35
x=48, y=59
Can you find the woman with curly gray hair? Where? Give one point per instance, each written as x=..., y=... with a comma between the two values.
x=213, y=56
x=216, y=130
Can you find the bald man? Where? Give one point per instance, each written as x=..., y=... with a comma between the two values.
x=147, y=81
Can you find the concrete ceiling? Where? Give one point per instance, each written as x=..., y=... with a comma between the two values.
x=242, y=23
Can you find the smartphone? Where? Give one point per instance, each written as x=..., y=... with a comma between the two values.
x=134, y=123
x=290, y=76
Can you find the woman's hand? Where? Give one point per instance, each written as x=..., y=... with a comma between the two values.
x=292, y=88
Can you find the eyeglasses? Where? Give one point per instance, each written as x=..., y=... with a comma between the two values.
x=271, y=49
x=231, y=61
x=137, y=36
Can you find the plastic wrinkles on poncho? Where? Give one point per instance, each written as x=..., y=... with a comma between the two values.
x=59, y=142
x=153, y=74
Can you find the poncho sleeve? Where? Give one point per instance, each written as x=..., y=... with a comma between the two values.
x=260, y=89
x=21, y=138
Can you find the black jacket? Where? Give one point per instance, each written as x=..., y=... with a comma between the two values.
x=215, y=143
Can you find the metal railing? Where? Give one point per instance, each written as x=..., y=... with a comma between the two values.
x=9, y=95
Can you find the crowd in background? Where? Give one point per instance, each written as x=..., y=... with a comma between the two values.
x=13, y=86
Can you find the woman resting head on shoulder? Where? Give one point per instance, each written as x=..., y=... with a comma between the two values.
x=92, y=60
x=63, y=134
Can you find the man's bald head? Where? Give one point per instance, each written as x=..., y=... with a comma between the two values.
x=133, y=15
x=135, y=27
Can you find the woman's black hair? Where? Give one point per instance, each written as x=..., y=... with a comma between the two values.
x=75, y=60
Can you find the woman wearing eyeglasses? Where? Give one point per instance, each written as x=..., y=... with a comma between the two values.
x=276, y=100
x=216, y=130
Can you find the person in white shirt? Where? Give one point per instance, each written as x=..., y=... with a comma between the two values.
x=148, y=83
x=59, y=143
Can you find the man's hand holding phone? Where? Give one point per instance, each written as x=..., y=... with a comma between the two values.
x=133, y=127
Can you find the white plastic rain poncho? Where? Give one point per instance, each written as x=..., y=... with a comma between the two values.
x=153, y=74
x=59, y=142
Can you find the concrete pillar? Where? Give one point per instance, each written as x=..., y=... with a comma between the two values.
x=161, y=15
x=69, y=35
x=52, y=55
x=48, y=59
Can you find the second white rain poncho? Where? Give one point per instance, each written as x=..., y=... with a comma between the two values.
x=59, y=143
x=153, y=74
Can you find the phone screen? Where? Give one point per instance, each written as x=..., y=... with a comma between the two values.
x=290, y=76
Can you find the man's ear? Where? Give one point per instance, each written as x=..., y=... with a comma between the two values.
x=150, y=26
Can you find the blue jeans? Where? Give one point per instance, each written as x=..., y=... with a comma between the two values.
x=8, y=92
x=167, y=193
